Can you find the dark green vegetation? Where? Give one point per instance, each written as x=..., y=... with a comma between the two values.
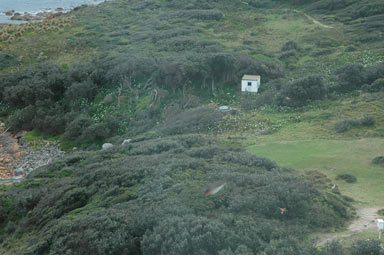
x=155, y=71
x=350, y=178
x=346, y=125
x=378, y=160
x=148, y=198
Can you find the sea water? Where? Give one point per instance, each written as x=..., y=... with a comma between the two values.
x=36, y=6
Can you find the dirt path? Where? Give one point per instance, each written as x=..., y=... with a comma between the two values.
x=313, y=19
x=365, y=221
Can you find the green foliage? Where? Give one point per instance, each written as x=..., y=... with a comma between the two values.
x=7, y=60
x=350, y=77
x=186, y=235
x=195, y=120
x=302, y=91
x=367, y=247
x=347, y=177
x=42, y=82
x=345, y=125
x=378, y=160
x=332, y=248
x=150, y=200
x=376, y=86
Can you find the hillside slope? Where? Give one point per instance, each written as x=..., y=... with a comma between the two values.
x=155, y=72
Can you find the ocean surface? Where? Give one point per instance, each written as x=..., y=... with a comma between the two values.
x=36, y=6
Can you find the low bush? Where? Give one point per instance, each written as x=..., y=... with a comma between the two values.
x=76, y=128
x=369, y=10
x=7, y=60
x=22, y=119
x=378, y=160
x=328, y=5
x=194, y=120
x=301, y=92
x=332, y=248
x=290, y=45
x=377, y=85
x=211, y=14
x=287, y=54
x=345, y=125
x=367, y=247
x=368, y=120
x=350, y=77
x=373, y=73
x=146, y=197
x=347, y=177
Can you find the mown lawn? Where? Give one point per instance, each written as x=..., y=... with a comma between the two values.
x=333, y=157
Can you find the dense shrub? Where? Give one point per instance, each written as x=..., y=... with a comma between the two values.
x=76, y=128
x=302, y=91
x=212, y=14
x=328, y=5
x=368, y=120
x=187, y=235
x=369, y=10
x=7, y=60
x=287, y=54
x=43, y=82
x=367, y=247
x=350, y=77
x=345, y=125
x=378, y=160
x=81, y=90
x=146, y=197
x=347, y=177
x=333, y=248
x=22, y=119
x=377, y=85
x=194, y=120
x=290, y=45
x=373, y=73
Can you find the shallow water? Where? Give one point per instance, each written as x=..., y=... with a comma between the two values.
x=35, y=6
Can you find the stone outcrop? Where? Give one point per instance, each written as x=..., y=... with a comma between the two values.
x=17, y=159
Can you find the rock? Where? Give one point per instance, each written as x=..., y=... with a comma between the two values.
x=10, y=13
x=108, y=99
x=59, y=9
x=17, y=155
x=107, y=146
x=41, y=56
x=14, y=148
x=7, y=158
x=126, y=141
x=19, y=171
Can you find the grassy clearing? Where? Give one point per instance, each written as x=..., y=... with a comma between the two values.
x=334, y=157
x=307, y=140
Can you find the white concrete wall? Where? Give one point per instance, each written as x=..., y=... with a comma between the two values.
x=253, y=88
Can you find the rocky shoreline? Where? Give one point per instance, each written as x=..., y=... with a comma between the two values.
x=19, y=157
x=40, y=16
x=26, y=16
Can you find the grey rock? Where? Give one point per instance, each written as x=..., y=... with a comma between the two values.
x=19, y=171
x=126, y=141
x=107, y=146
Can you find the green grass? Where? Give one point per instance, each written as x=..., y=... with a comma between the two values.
x=334, y=157
x=307, y=140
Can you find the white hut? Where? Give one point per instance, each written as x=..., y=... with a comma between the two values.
x=250, y=83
